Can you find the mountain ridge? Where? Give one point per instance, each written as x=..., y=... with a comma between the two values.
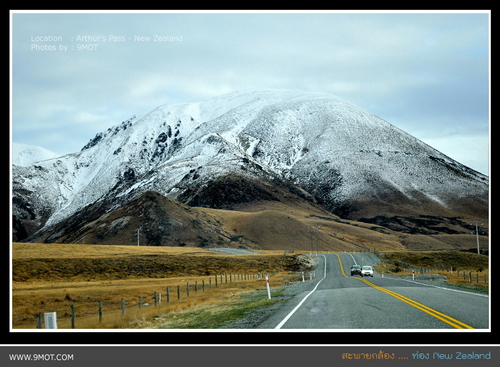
x=322, y=147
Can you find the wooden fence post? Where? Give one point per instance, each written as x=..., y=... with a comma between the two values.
x=39, y=321
x=168, y=294
x=178, y=292
x=100, y=311
x=72, y=316
x=123, y=306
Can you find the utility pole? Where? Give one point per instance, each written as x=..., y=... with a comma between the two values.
x=477, y=236
x=317, y=239
x=314, y=230
x=310, y=230
x=81, y=239
x=138, y=235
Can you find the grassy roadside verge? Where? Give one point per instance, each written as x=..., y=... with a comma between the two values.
x=242, y=311
x=453, y=268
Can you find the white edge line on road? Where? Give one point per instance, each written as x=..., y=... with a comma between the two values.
x=303, y=300
x=355, y=263
x=444, y=288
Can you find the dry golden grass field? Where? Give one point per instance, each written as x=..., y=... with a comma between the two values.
x=53, y=277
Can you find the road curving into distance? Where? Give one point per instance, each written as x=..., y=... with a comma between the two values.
x=337, y=300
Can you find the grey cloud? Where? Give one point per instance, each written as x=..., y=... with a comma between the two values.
x=418, y=71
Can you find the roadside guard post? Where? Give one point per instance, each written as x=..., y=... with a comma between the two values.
x=268, y=289
x=50, y=320
x=413, y=275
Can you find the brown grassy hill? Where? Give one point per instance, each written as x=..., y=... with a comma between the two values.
x=158, y=220
x=285, y=223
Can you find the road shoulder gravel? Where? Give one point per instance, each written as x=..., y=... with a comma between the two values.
x=260, y=315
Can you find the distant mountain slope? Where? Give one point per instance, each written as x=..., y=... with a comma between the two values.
x=25, y=155
x=317, y=147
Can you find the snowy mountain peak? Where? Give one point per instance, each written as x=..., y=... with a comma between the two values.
x=343, y=156
x=25, y=155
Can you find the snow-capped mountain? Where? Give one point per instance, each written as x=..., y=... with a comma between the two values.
x=331, y=151
x=25, y=155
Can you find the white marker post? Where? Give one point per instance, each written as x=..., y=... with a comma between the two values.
x=50, y=320
x=303, y=280
x=413, y=275
x=268, y=289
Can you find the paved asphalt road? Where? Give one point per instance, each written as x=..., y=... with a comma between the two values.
x=337, y=300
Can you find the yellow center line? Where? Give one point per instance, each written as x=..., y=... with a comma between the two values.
x=440, y=316
x=341, y=266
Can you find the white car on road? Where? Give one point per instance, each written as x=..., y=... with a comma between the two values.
x=367, y=270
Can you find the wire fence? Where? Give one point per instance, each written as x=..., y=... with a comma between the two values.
x=123, y=313
x=453, y=274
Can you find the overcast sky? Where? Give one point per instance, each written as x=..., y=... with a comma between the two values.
x=426, y=73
